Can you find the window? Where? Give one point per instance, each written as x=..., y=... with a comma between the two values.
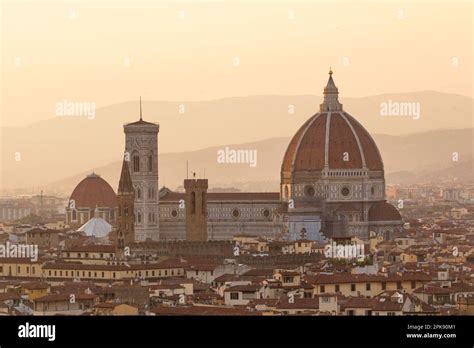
x=193, y=203
x=321, y=289
x=336, y=288
x=203, y=204
x=413, y=284
x=236, y=213
x=74, y=214
x=309, y=191
x=353, y=287
x=384, y=285
x=399, y=284
x=367, y=286
x=234, y=295
x=345, y=191
x=150, y=163
x=287, y=279
x=325, y=299
x=136, y=163
x=139, y=193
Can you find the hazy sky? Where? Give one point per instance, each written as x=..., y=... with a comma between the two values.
x=113, y=51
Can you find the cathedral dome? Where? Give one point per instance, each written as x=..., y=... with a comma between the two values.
x=94, y=192
x=331, y=139
x=383, y=211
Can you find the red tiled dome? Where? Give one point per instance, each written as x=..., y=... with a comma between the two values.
x=383, y=211
x=313, y=145
x=325, y=137
x=94, y=192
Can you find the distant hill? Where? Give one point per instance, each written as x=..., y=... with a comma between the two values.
x=425, y=157
x=60, y=148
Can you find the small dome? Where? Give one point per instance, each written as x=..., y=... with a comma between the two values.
x=94, y=192
x=383, y=211
x=96, y=227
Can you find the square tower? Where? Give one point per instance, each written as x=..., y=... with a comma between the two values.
x=196, y=209
x=141, y=154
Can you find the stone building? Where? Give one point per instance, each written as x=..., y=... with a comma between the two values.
x=332, y=186
x=141, y=153
x=125, y=232
x=332, y=176
x=228, y=214
x=196, y=214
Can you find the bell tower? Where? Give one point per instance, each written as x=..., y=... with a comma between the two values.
x=141, y=150
x=196, y=209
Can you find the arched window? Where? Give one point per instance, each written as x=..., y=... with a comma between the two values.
x=74, y=214
x=139, y=193
x=139, y=218
x=136, y=163
x=125, y=210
